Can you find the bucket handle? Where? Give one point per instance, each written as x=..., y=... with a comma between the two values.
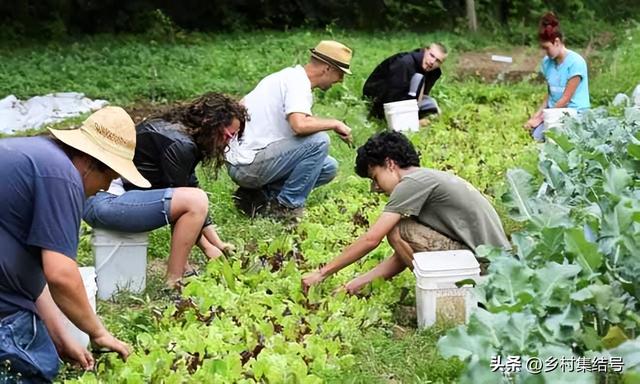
x=106, y=260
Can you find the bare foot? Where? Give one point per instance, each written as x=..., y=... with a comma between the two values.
x=424, y=122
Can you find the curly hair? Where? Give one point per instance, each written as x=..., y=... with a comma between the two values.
x=204, y=120
x=386, y=145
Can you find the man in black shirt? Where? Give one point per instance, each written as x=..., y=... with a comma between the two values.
x=404, y=76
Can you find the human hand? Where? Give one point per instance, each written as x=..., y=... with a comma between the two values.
x=227, y=248
x=72, y=351
x=354, y=286
x=107, y=341
x=311, y=279
x=534, y=121
x=343, y=131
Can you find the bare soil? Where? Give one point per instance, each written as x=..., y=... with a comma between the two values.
x=479, y=64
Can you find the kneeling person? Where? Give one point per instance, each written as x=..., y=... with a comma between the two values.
x=428, y=210
x=406, y=76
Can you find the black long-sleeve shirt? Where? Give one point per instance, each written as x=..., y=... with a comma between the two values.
x=391, y=79
x=166, y=156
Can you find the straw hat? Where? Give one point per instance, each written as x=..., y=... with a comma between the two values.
x=334, y=53
x=108, y=135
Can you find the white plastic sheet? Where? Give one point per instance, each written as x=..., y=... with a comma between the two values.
x=17, y=115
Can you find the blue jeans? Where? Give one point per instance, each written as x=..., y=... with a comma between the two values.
x=538, y=133
x=289, y=169
x=428, y=104
x=26, y=346
x=133, y=211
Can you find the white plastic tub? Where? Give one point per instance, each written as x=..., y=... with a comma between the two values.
x=89, y=279
x=437, y=296
x=554, y=117
x=402, y=115
x=121, y=261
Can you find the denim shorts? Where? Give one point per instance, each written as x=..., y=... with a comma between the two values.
x=27, y=354
x=133, y=211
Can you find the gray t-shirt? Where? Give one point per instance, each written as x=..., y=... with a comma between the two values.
x=449, y=205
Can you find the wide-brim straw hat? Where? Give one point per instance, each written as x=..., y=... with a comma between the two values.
x=333, y=53
x=108, y=135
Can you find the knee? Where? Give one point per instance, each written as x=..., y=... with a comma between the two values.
x=192, y=200
x=330, y=168
x=321, y=141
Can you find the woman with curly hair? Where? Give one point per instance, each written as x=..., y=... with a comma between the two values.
x=428, y=210
x=566, y=74
x=168, y=149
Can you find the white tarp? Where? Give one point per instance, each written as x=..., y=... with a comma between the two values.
x=16, y=115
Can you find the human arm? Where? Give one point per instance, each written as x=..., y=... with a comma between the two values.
x=536, y=119
x=65, y=344
x=211, y=244
x=68, y=293
x=354, y=252
x=303, y=125
x=386, y=269
x=569, y=90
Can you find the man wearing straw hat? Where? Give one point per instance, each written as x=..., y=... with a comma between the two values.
x=44, y=185
x=405, y=76
x=284, y=152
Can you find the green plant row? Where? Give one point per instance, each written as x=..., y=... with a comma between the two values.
x=571, y=289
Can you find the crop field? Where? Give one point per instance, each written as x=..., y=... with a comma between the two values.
x=571, y=208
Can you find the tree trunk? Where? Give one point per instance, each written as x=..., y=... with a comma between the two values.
x=471, y=15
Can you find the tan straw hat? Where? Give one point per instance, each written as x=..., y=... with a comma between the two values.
x=108, y=135
x=334, y=53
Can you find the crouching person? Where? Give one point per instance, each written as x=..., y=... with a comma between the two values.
x=169, y=147
x=45, y=182
x=428, y=210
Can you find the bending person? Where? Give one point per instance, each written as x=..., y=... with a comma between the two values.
x=45, y=182
x=565, y=72
x=428, y=210
x=169, y=149
x=406, y=76
x=285, y=151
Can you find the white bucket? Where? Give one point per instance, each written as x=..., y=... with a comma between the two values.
x=554, y=117
x=89, y=279
x=402, y=115
x=437, y=296
x=121, y=261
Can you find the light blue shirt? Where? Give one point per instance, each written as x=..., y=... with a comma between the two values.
x=558, y=75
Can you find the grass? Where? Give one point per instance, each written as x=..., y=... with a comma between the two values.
x=478, y=137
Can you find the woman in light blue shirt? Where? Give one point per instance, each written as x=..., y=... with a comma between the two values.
x=565, y=72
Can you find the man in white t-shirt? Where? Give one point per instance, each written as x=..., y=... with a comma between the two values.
x=283, y=153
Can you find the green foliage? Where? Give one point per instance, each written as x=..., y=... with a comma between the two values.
x=573, y=281
x=244, y=319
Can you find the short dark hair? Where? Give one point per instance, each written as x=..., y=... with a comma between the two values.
x=386, y=145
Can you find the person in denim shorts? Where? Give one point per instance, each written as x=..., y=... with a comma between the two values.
x=428, y=210
x=44, y=184
x=169, y=147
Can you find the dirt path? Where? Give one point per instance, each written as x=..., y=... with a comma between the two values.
x=479, y=64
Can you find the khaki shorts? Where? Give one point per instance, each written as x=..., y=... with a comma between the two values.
x=425, y=239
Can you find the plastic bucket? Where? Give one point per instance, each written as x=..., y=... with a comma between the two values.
x=438, y=299
x=554, y=117
x=89, y=279
x=121, y=261
x=402, y=115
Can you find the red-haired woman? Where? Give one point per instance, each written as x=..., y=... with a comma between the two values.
x=565, y=72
